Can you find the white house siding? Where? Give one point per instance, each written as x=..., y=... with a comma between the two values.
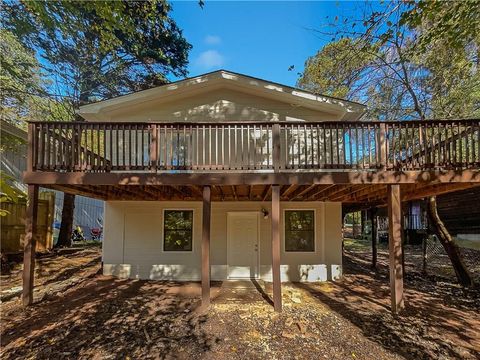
x=133, y=245
x=219, y=105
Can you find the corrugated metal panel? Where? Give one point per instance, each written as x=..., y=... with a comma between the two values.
x=88, y=213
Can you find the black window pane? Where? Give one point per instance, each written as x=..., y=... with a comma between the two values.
x=299, y=230
x=177, y=230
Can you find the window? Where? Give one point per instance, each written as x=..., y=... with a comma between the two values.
x=177, y=230
x=299, y=230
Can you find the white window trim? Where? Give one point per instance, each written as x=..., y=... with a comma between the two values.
x=163, y=231
x=284, y=223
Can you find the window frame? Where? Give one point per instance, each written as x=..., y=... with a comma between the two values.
x=163, y=230
x=314, y=232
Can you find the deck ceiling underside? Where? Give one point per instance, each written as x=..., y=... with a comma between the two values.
x=356, y=196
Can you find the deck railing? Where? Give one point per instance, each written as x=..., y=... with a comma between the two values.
x=104, y=147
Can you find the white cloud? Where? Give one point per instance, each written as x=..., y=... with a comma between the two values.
x=210, y=59
x=212, y=40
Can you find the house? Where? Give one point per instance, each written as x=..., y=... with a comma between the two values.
x=228, y=176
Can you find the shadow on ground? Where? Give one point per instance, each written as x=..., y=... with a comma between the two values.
x=440, y=320
x=107, y=317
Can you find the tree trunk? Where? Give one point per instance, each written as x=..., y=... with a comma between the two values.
x=452, y=250
x=374, y=235
x=66, y=228
x=362, y=223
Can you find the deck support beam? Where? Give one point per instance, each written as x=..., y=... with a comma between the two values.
x=395, y=247
x=30, y=245
x=206, y=214
x=277, y=289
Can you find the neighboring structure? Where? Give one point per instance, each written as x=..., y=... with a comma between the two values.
x=460, y=211
x=228, y=176
x=88, y=212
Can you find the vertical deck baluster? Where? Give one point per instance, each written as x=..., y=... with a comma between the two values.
x=299, y=147
x=72, y=146
x=254, y=155
x=261, y=146
x=190, y=148
x=113, y=146
x=357, y=154
x=350, y=146
x=92, y=148
x=370, y=141
x=209, y=146
x=318, y=146
x=305, y=144
x=79, y=146
x=47, y=145
x=458, y=144
x=448, y=145
x=362, y=134
x=337, y=144
x=216, y=146
x=248, y=147
x=267, y=131
x=235, y=147
x=312, y=147
x=467, y=146
x=204, y=158
x=427, y=141
x=112, y=152
x=292, y=147
x=172, y=148
x=229, y=145
x=122, y=134
x=142, y=147
x=60, y=150
x=440, y=153
x=55, y=147
x=222, y=150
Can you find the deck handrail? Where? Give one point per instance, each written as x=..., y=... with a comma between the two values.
x=251, y=122
x=254, y=146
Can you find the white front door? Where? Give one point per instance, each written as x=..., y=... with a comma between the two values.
x=242, y=245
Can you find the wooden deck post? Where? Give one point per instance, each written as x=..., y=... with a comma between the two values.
x=30, y=245
x=206, y=246
x=395, y=247
x=374, y=225
x=277, y=290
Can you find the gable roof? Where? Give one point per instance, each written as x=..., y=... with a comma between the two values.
x=339, y=108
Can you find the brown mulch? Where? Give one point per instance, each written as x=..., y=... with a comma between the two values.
x=105, y=318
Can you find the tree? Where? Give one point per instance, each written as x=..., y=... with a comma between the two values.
x=454, y=22
x=334, y=71
x=95, y=50
x=395, y=71
x=22, y=85
x=451, y=248
x=406, y=60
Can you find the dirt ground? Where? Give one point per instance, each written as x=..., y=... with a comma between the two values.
x=81, y=314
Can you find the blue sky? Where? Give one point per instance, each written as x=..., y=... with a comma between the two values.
x=260, y=39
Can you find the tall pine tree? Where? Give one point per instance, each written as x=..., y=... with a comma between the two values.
x=95, y=50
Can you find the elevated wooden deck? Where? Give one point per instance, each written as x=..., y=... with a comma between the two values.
x=327, y=161
x=362, y=163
